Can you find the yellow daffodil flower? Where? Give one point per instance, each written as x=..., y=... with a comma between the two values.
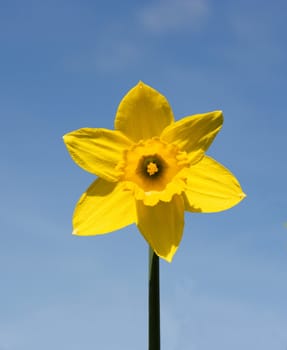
x=150, y=169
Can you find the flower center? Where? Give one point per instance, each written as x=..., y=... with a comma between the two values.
x=152, y=164
x=152, y=168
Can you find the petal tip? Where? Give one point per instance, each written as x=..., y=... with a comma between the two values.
x=219, y=114
x=75, y=232
x=242, y=195
x=168, y=257
x=66, y=138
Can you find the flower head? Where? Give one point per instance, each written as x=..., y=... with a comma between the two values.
x=150, y=170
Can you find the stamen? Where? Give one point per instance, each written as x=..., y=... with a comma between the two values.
x=152, y=168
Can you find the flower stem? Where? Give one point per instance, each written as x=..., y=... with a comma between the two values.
x=154, y=302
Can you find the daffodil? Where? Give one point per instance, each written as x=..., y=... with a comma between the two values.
x=150, y=170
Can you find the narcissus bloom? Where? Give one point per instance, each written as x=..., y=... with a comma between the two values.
x=150, y=169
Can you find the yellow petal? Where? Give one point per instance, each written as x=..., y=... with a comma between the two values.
x=143, y=113
x=211, y=187
x=162, y=225
x=97, y=151
x=103, y=208
x=194, y=134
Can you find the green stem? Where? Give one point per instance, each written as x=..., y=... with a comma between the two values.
x=154, y=302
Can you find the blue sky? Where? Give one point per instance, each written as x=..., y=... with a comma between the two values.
x=66, y=65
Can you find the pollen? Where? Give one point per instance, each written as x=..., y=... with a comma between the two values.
x=152, y=168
